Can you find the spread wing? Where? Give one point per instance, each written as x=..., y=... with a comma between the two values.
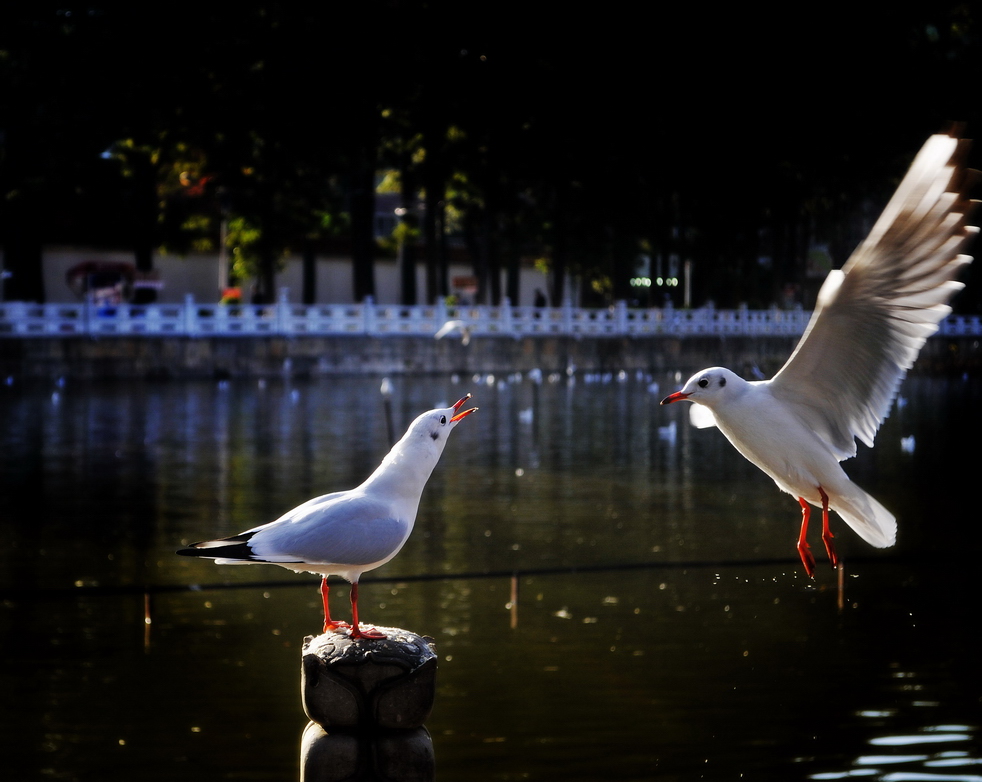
x=873, y=316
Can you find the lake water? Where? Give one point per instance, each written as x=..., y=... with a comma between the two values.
x=662, y=627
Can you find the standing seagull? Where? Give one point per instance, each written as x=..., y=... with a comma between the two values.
x=348, y=532
x=869, y=323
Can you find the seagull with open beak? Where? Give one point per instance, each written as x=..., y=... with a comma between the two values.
x=349, y=532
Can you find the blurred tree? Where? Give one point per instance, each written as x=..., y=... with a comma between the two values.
x=679, y=133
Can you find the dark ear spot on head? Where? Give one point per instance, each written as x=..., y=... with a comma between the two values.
x=435, y=435
x=722, y=382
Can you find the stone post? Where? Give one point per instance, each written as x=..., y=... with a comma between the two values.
x=283, y=323
x=368, y=306
x=190, y=315
x=367, y=701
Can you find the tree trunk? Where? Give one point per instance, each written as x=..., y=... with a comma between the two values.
x=436, y=265
x=486, y=265
x=21, y=219
x=267, y=276
x=144, y=222
x=363, y=223
x=494, y=261
x=623, y=256
x=408, y=229
x=309, y=260
x=22, y=262
x=559, y=260
x=513, y=269
x=443, y=263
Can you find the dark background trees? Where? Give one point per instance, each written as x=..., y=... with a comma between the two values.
x=731, y=138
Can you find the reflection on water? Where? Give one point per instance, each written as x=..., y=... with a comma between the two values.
x=612, y=593
x=385, y=756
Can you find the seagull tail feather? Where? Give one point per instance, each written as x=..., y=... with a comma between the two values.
x=867, y=517
x=235, y=547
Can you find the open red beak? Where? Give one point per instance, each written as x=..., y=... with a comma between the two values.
x=457, y=406
x=678, y=396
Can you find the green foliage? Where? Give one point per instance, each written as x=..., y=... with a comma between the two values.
x=243, y=241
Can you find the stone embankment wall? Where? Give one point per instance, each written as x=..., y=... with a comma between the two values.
x=227, y=357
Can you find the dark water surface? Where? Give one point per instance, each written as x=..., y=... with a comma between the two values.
x=663, y=627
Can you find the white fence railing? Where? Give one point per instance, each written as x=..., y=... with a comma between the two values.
x=19, y=319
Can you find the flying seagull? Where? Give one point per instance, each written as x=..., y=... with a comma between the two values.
x=869, y=323
x=455, y=325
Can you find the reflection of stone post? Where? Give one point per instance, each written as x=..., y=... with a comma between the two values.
x=367, y=701
x=387, y=756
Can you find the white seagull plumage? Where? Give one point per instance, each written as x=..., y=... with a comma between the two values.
x=347, y=533
x=455, y=325
x=870, y=321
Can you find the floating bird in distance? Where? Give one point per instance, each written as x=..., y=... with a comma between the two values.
x=870, y=321
x=348, y=532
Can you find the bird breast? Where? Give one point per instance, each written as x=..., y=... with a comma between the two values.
x=778, y=443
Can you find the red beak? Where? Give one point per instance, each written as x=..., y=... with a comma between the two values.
x=464, y=414
x=678, y=396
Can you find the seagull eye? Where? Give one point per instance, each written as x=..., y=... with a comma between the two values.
x=703, y=382
x=443, y=420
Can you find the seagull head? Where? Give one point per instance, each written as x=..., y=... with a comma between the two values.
x=407, y=466
x=433, y=427
x=709, y=387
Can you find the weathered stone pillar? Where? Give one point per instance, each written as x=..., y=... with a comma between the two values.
x=367, y=701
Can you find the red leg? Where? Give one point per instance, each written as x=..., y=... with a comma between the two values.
x=804, y=550
x=826, y=532
x=329, y=624
x=356, y=631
